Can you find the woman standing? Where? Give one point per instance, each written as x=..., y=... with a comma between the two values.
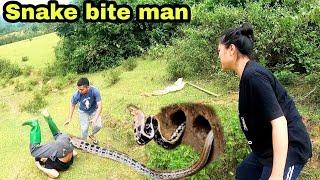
x=269, y=119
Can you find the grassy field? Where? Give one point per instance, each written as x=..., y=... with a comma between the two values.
x=16, y=162
x=39, y=50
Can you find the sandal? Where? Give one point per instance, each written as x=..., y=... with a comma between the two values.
x=94, y=140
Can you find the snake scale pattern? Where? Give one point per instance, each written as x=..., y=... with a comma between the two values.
x=125, y=159
x=151, y=130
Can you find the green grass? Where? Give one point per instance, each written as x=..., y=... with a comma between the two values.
x=128, y=90
x=16, y=162
x=39, y=51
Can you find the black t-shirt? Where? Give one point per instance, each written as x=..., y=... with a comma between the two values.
x=261, y=100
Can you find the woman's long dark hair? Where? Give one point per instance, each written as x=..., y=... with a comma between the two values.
x=241, y=37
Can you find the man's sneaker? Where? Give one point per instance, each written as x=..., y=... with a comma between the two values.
x=94, y=140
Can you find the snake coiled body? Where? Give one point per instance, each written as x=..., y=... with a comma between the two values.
x=139, y=167
x=151, y=130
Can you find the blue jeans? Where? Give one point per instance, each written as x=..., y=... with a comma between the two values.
x=84, y=124
x=251, y=169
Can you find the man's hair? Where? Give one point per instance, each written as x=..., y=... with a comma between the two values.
x=83, y=82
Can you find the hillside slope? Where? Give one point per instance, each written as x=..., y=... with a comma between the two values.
x=38, y=50
x=117, y=134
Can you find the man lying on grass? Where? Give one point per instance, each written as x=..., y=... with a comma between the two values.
x=54, y=156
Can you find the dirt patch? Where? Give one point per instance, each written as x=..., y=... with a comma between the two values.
x=199, y=118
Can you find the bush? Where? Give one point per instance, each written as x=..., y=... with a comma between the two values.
x=25, y=58
x=32, y=82
x=19, y=87
x=8, y=70
x=194, y=54
x=26, y=71
x=227, y=80
x=38, y=102
x=112, y=77
x=96, y=46
x=3, y=83
x=189, y=56
x=156, y=51
x=286, y=77
x=63, y=81
x=28, y=86
x=286, y=39
x=45, y=89
x=129, y=64
x=49, y=72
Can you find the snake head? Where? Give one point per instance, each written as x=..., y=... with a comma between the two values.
x=139, y=117
x=133, y=109
x=76, y=142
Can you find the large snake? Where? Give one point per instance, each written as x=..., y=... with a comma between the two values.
x=123, y=158
x=149, y=130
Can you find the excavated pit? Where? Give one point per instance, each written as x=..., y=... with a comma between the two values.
x=200, y=119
